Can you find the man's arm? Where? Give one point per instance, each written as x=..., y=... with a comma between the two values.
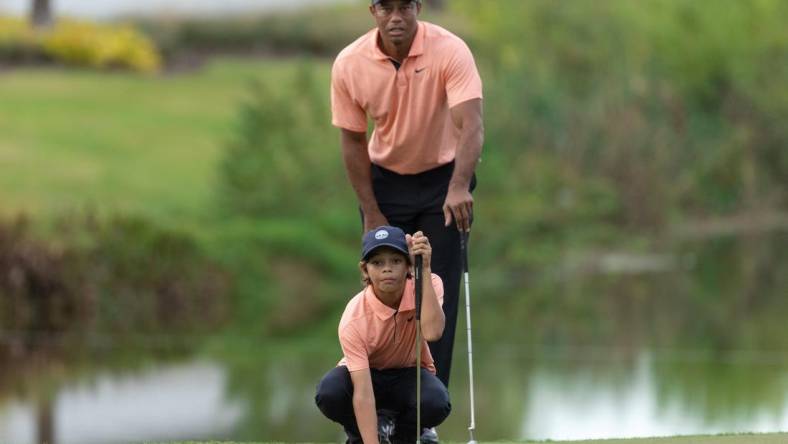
x=357, y=165
x=364, y=405
x=467, y=116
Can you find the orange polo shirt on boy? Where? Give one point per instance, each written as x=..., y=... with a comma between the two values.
x=374, y=335
x=409, y=106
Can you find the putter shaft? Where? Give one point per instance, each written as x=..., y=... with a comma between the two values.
x=464, y=248
x=417, y=278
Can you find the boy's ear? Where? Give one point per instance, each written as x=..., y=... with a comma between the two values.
x=363, y=267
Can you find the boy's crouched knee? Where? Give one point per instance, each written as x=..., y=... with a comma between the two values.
x=331, y=394
x=436, y=408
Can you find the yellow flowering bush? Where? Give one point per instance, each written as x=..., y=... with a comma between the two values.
x=81, y=43
x=17, y=39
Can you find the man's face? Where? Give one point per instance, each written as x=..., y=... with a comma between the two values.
x=396, y=19
x=387, y=270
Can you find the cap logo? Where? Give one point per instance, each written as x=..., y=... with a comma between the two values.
x=381, y=234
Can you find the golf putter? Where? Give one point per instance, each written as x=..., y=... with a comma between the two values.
x=464, y=252
x=417, y=278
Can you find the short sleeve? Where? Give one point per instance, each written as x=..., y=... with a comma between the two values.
x=437, y=285
x=346, y=112
x=354, y=349
x=462, y=78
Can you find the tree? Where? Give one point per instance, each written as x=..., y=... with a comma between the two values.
x=41, y=13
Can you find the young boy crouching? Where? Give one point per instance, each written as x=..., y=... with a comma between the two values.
x=372, y=391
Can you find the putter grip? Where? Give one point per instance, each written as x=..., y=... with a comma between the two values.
x=464, y=251
x=417, y=278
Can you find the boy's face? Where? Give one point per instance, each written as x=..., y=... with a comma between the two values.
x=387, y=269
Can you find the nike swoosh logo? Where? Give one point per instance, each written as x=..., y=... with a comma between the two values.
x=420, y=70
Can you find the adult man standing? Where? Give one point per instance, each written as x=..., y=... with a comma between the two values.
x=419, y=85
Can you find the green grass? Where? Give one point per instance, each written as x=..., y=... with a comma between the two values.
x=768, y=438
x=71, y=139
x=773, y=438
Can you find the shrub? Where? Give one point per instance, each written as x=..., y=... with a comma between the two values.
x=101, y=46
x=79, y=43
x=673, y=103
x=315, y=30
x=318, y=32
x=18, y=41
x=284, y=153
x=117, y=278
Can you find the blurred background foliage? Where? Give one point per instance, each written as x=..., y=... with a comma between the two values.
x=632, y=194
x=610, y=126
x=78, y=43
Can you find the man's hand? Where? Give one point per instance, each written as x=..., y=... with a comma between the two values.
x=373, y=220
x=459, y=208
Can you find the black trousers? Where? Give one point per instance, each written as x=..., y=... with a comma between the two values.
x=415, y=203
x=395, y=391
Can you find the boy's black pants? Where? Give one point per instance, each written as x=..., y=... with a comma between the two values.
x=414, y=202
x=395, y=390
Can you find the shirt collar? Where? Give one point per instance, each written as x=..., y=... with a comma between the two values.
x=383, y=311
x=416, y=49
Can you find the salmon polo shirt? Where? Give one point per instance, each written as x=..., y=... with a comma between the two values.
x=409, y=106
x=374, y=335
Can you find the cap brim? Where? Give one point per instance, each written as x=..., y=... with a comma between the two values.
x=386, y=244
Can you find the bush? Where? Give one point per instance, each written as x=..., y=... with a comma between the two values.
x=285, y=153
x=315, y=31
x=117, y=278
x=676, y=104
x=79, y=43
x=291, y=228
x=18, y=41
x=99, y=46
x=288, y=273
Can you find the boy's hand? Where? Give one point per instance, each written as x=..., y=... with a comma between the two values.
x=418, y=244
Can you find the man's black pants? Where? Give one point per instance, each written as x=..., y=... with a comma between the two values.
x=395, y=390
x=414, y=202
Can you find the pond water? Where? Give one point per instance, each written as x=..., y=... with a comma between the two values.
x=696, y=347
x=167, y=402
x=521, y=394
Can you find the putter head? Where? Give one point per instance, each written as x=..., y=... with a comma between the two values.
x=473, y=441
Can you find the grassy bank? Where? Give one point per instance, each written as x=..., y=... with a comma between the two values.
x=772, y=438
x=767, y=438
x=152, y=147
x=119, y=142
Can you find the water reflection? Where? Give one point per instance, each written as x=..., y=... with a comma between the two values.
x=522, y=393
x=685, y=350
x=183, y=401
x=657, y=397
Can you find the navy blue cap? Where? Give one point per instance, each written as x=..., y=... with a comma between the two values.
x=384, y=236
